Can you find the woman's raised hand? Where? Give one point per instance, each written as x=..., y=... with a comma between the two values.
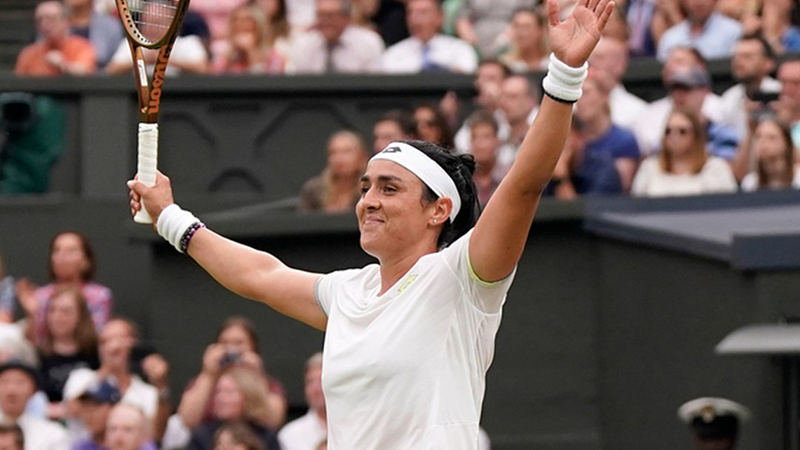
x=573, y=40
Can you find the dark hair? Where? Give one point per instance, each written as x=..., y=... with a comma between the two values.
x=133, y=329
x=460, y=168
x=88, y=252
x=767, y=49
x=498, y=63
x=483, y=117
x=243, y=323
x=242, y=433
x=402, y=118
x=440, y=122
x=19, y=437
x=84, y=335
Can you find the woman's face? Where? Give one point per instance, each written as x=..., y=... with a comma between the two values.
x=426, y=125
x=68, y=259
x=770, y=148
x=244, y=30
x=63, y=315
x=228, y=399
x=236, y=340
x=346, y=158
x=679, y=135
x=525, y=30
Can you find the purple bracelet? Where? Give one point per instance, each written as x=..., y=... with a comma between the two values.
x=187, y=235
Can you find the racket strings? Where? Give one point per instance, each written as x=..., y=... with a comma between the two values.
x=153, y=18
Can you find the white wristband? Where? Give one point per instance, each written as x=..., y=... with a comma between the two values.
x=172, y=224
x=564, y=82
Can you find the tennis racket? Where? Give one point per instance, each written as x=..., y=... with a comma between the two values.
x=150, y=24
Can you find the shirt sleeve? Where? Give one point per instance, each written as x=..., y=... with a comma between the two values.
x=486, y=296
x=326, y=287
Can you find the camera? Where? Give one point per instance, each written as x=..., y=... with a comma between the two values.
x=764, y=97
x=229, y=359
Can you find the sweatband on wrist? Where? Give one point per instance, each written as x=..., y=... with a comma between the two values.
x=172, y=224
x=563, y=83
x=426, y=169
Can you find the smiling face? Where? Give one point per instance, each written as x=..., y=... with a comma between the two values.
x=228, y=399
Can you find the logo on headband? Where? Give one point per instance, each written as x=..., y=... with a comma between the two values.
x=392, y=150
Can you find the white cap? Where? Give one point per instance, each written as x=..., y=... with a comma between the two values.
x=78, y=382
x=708, y=408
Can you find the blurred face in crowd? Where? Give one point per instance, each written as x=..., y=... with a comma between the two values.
x=270, y=7
x=678, y=135
x=427, y=127
x=72, y=5
x=771, y=148
x=526, y=31
x=424, y=18
x=9, y=441
x=116, y=341
x=750, y=63
x=484, y=143
x=610, y=56
x=244, y=29
x=331, y=19
x=51, y=21
x=593, y=103
x=346, y=156
x=235, y=339
x=16, y=387
x=385, y=132
x=699, y=10
x=516, y=100
x=228, y=399
x=488, y=81
x=789, y=76
x=679, y=59
x=95, y=416
x=313, y=388
x=689, y=98
x=126, y=428
x=63, y=315
x=68, y=259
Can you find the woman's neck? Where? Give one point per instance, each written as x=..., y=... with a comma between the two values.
x=65, y=346
x=396, y=267
x=682, y=164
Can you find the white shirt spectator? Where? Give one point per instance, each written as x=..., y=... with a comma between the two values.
x=733, y=112
x=750, y=181
x=441, y=52
x=626, y=108
x=303, y=433
x=649, y=129
x=301, y=14
x=651, y=181
x=358, y=50
x=140, y=394
x=42, y=434
x=187, y=50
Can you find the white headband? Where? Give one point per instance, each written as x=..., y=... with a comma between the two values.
x=425, y=169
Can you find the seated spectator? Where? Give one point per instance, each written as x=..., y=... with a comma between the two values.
x=775, y=25
x=236, y=345
x=580, y=173
x=103, y=31
x=683, y=166
x=711, y=33
x=481, y=22
x=69, y=343
x=336, y=189
x=776, y=164
x=485, y=146
x=427, y=50
x=600, y=134
x=240, y=396
x=57, y=52
x=611, y=57
x=311, y=429
x=489, y=79
x=34, y=141
x=519, y=104
x=8, y=294
x=237, y=436
x=301, y=14
x=71, y=262
x=396, y=125
x=788, y=105
x=432, y=126
x=247, y=49
x=335, y=45
x=93, y=409
x=527, y=49
x=714, y=422
x=751, y=65
x=215, y=13
x=18, y=381
x=11, y=437
x=127, y=428
x=642, y=16
x=280, y=35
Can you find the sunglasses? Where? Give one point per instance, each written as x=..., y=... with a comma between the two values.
x=682, y=131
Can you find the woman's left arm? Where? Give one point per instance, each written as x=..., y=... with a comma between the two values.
x=499, y=237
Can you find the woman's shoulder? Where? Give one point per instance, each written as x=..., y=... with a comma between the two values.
x=716, y=164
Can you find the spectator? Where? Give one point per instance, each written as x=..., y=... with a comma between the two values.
x=310, y=430
x=11, y=437
x=56, y=52
x=103, y=31
x=240, y=396
x=215, y=13
x=393, y=126
x=127, y=428
x=481, y=22
x=788, y=105
x=247, y=49
x=714, y=422
x=335, y=45
x=336, y=190
x=236, y=345
x=683, y=167
x=488, y=84
x=641, y=15
x=776, y=161
x=18, y=382
x=93, y=409
x=519, y=104
x=751, y=65
x=527, y=50
x=485, y=146
x=301, y=14
x=432, y=126
x=711, y=33
x=611, y=57
x=69, y=343
x=427, y=50
x=775, y=25
x=279, y=34
x=237, y=436
x=71, y=262
x=8, y=295
x=600, y=134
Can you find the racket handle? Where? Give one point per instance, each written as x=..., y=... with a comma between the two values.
x=148, y=163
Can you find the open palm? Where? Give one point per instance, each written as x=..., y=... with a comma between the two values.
x=573, y=40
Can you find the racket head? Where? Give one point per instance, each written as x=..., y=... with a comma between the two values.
x=151, y=23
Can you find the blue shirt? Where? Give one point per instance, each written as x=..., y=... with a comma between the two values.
x=791, y=40
x=715, y=41
x=596, y=175
x=616, y=143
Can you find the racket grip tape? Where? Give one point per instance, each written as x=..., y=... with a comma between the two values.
x=147, y=163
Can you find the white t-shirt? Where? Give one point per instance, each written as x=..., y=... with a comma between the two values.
x=187, y=50
x=449, y=53
x=303, y=433
x=407, y=369
x=41, y=433
x=651, y=181
x=750, y=181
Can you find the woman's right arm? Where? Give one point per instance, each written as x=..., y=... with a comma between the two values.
x=245, y=271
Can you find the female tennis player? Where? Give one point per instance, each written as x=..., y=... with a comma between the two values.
x=409, y=340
